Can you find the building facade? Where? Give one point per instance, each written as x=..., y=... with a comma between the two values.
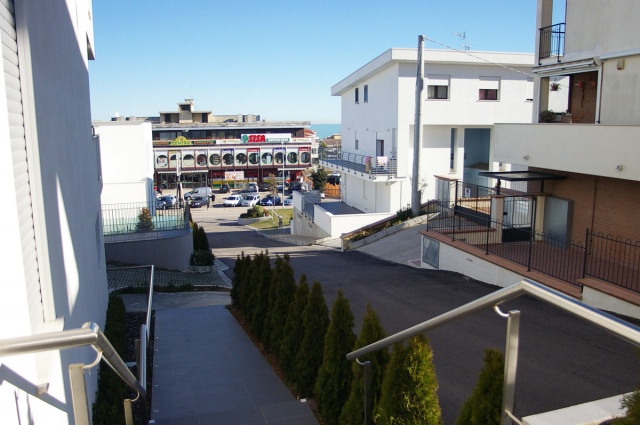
x=54, y=275
x=465, y=94
x=205, y=148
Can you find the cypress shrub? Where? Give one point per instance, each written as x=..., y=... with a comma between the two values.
x=334, y=376
x=244, y=283
x=284, y=295
x=271, y=302
x=236, y=281
x=484, y=406
x=409, y=388
x=632, y=404
x=372, y=331
x=195, y=234
x=294, y=329
x=309, y=357
x=261, y=296
x=108, y=407
x=253, y=280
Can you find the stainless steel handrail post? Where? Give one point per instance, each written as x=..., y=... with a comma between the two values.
x=367, y=392
x=510, y=366
x=79, y=394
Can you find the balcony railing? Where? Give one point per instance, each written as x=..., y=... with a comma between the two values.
x=551, y=42
x=124, y=221
x=373, y=166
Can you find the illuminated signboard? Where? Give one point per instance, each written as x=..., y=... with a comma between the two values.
x=266, y=138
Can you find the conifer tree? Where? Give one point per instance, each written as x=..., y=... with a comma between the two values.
x=236, y=281
x=294, y=329
x=244, y=281
x=372, y=331
x=284, y=294
x=309, y=356
x=261, y=296
x=484, y=406
x=271, y=302
x=409, y=388
x=253, y=283
x=334, y=376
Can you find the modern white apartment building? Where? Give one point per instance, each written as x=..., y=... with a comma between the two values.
x=52, y=259
x=465, y=94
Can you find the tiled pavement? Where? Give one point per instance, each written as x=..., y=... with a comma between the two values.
x=206, y=370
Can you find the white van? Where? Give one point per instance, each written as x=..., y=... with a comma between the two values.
x=199, y=191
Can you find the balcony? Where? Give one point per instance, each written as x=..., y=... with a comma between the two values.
x=551, y=43
x=593, y=149
x=376, y=168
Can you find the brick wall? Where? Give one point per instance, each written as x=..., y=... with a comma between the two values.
x=583, y=91
x=610, y=206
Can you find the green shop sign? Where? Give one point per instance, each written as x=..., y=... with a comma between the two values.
x=180, y=141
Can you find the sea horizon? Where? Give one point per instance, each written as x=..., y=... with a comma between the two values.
x=325, y=130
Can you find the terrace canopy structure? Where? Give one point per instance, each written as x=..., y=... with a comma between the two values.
x=520, y=176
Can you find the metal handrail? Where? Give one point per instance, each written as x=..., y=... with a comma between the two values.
x=617, y=327
x=89, y=334
x=623, y=330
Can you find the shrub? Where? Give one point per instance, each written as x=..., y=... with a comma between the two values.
x=108, y=407
x=259, y=301
x=630, y=402
x=372, y=331
x=293, y=329
x=409, y=389
x=334, y=376
x=484, y=406
x=284, y=294
x=309, y=357
x=202, y=257
x=255, y=211
x=404, y=214
x=547, y=116
x=145, y=221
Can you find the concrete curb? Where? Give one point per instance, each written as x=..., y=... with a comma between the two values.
x=388, y=231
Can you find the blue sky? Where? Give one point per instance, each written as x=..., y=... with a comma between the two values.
x=276, y=58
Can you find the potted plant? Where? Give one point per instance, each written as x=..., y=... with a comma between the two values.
x=547, y=116
x=554, y=86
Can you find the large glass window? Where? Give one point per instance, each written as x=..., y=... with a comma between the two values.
x=267, y=158
x=214, y=159
x=357, y=95
x=366, y=94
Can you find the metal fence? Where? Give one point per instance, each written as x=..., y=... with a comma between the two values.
x=141, y=217
x=552, y=42
x=373, y=165
x=613, y=260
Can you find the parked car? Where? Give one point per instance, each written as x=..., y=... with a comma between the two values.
x=250, y=200
x=288, y=201
x=265, y=187
x=224, y=188
x=199, y=191
x=253, y=185
x=199, y=201
x=270, y=200
x=249, y=191
x=160, y=205
x=232, y=201
x=169, y=200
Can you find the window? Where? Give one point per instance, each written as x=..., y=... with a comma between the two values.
x=205, y=118
x=185, y=108
x=452, y=152
x=366, y=94
x=167, y=118
x=438, y=86
x=357, y=98
x=489, y=88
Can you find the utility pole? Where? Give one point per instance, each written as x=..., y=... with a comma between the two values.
x=416, y=195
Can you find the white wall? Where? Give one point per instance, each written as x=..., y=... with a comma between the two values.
x=126, y=152
x=64, y=177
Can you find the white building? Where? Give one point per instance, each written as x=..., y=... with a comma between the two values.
x=465, y=94
x=585, y=230
x=126, y=153
x=52, y=260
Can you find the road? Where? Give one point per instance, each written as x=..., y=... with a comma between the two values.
x=563, y=360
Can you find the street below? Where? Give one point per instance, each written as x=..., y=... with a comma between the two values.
x=563, y=360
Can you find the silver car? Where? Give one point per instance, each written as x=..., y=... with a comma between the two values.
x=250, y=200
x=233, y=201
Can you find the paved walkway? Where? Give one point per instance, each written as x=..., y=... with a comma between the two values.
x=207, y=371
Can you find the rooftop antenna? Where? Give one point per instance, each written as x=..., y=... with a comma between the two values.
x=464, y=39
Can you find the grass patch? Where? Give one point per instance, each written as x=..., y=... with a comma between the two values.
x=286, y=213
